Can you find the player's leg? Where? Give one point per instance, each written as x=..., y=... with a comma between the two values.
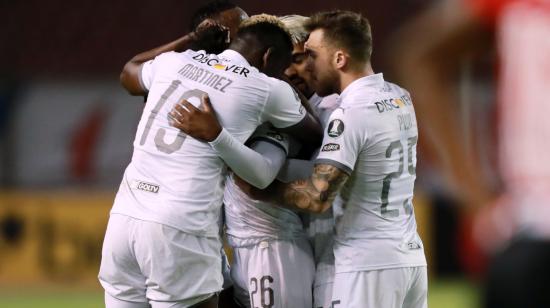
x=239, y=275
x=322, y=288
x=182, y=269
x=417, y=295
x=227, y=299
x=119, y=272
x=322, y=295
x=280, y=274
x=370, y=289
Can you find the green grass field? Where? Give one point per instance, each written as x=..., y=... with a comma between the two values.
x=442, y=294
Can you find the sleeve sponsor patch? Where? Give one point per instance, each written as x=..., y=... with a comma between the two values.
x=329, y=147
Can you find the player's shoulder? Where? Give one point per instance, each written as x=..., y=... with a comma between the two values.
x=170, y=57
x=389, y=96
x=268, y=133
x=277, y=84
x=279, y=89
x=268, y=130
x=351, y=115
x=392, y=87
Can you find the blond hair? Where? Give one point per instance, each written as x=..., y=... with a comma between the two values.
x=295, y=26
x=265, y=19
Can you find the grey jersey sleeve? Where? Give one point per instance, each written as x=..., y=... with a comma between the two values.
x=257, y=165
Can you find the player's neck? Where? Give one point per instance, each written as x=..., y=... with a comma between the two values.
x=350, y=76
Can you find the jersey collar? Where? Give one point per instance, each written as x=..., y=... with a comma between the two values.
x=375, y=81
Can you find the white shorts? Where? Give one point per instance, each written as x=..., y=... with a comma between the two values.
x=274, y=274
x=147, y=262
x=405, y=287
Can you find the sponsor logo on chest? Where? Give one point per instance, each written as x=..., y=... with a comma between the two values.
x=215, y=63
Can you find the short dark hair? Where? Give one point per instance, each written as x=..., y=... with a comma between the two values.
x=210, y=10
x=348, y=30
x=269, y=32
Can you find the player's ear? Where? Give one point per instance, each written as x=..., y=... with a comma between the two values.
x=340, y=59
x=266, y=58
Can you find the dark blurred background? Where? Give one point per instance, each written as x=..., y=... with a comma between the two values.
x=67, y=127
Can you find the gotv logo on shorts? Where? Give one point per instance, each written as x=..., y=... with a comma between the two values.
x=335, y=128
x=148, y=187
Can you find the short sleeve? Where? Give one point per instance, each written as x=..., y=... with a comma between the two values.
x=146, y=74
x=283, y=107
x=343, y=140
x=267, y=133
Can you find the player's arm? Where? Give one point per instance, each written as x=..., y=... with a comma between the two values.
x=313, y=194
x=208, y=36
x=273, y=157
x=253, y=167
x=426, y=67
x=316, y=190
x=316, y=193
x=130, y=75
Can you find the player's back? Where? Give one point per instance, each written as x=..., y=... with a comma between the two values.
x=249, y=221
x=177, y=180
x=375, y=131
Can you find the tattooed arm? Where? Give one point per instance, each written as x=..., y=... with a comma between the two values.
x=316, y=193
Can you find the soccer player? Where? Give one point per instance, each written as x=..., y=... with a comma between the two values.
x=319, y=226
x=367, y=166
x=519, y=274
x=269, y=241
x=272, y=260
x=162, y=245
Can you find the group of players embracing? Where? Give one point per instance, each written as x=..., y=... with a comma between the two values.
x=275, y=134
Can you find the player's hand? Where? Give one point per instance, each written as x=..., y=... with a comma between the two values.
x=197, y=123
x=211, y=36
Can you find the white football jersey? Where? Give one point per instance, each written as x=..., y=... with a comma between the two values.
x=372, y=136
x=174, y=179
x=250, y=221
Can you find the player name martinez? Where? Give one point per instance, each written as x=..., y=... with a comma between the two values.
x=393, y=103
x=205, y=77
